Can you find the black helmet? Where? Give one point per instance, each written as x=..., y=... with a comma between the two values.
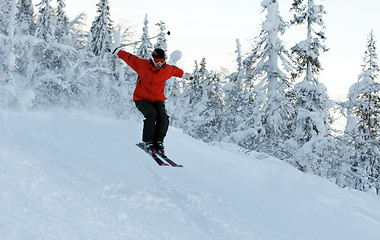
x=158, y=53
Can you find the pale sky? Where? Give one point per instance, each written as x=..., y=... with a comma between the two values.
x=210, y=28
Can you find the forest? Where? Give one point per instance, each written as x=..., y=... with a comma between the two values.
x=274, y=102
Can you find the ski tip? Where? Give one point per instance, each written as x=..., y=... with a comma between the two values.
x=179, y=166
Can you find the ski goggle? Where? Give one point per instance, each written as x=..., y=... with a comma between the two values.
x=160, y=61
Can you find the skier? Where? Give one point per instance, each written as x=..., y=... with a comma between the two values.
x=149, y=95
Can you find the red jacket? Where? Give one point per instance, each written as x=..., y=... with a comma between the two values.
x=150, y=84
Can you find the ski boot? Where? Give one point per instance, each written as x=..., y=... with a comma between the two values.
x=160, y=148
x=149, y=147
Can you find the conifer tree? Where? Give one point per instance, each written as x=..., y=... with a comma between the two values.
x=193, y=94
x=307, y=52
x=62, y=20
x=239, y=60
x=145, y=48
x=370, y=56
x=363, y=132
x=204, y=108
x=190, y=87
x=24, y=18
x=46, y=23
x=235, y=99
x=161, y=40
x=207, y=123
x=312, y=121
x=5, y=9
x=7, y=53
x=194, y=88
x=203, y=74
x=8, y=11
x=12, y=19
x=363, y=124
x=101, y=29
x=268, y=125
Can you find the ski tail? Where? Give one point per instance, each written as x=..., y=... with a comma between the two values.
x=161, y=153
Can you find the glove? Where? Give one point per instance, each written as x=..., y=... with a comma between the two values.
x=187, y=76
x=114, y=48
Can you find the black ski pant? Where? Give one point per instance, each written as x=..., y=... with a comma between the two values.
x=156, y=121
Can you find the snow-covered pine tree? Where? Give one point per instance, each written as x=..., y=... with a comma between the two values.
x=78, y=35
x=315, y=144
x=192, y=94
x=363, y=125
x=161, y=40
x=5, y=12
x=239, y=60
x=203, y=74
x=101, y=29
x=145, y=48
x=363, y=132
x=306, y=53
x=24, y=18
x=312, y=121
x=8, y=11
x=62, y=21
x=202, y=113
x=207, y=123
x=7, y=54
x=248, y=82
x=193, y=89
x=46, y=23
x=53, y=72
x=234, y=99
x=370, y=56
x=268, y=126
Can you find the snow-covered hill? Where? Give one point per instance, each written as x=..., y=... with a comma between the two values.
x=66, y=175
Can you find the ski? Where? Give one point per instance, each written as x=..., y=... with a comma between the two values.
x=156, y=157
x=163, y=156
x=152, y=154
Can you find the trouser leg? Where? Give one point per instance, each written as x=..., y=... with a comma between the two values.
x=162, y=123
x=150, y=114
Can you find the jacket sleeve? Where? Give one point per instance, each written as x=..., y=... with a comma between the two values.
x=130, y=59
x=177, y=72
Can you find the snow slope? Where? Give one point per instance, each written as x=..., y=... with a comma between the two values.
x=68, y=175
